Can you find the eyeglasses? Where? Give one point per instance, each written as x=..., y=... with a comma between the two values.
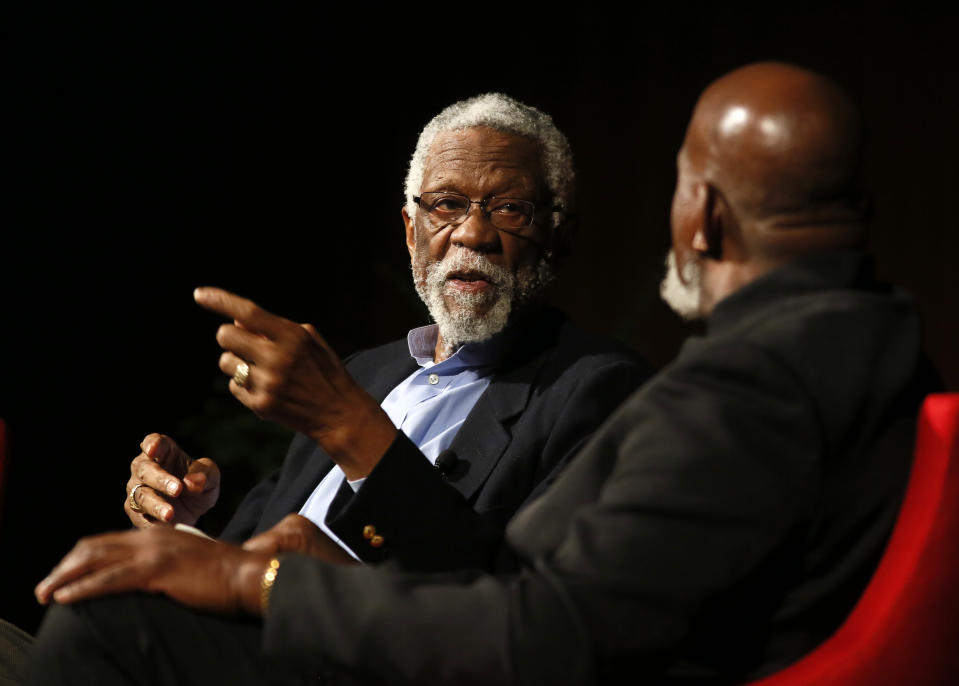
x=509, y=214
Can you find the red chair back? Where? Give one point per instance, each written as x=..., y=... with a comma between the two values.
x=905, y=627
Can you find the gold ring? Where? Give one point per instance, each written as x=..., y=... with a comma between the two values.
x=134, y=505
x=241, y=375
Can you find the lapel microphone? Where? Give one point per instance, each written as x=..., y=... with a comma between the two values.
x=446, y=462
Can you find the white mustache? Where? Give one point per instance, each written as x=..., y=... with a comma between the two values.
x=465, y=261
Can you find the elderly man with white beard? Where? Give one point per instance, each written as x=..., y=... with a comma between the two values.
x=497, y=395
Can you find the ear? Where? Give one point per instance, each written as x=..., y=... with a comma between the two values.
x=410, y=231
x=709, y=236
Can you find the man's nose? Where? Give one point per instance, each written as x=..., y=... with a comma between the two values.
x=476, y=232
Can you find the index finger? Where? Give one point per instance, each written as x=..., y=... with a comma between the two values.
x=165, y=452
x=149, y=473
x=246, y=313
x=87, y=555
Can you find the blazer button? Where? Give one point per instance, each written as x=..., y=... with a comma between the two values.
x=369, y=531
x=376, y=541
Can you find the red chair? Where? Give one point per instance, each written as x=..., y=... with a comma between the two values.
x=905, y=627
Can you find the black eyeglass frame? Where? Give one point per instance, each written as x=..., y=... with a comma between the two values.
x=487, y=214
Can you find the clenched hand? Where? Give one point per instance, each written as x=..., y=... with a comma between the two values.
x=297, y=534
x=175, y=488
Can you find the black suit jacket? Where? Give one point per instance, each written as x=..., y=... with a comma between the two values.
x=551, y=392
x=719, y=525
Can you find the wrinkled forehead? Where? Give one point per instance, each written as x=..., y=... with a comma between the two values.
x=481, y=156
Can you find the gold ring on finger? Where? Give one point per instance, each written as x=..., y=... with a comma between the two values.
x=134, y=505
x=241, y=375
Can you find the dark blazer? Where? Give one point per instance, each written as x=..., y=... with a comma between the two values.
x=720, y=524
x=552, y=391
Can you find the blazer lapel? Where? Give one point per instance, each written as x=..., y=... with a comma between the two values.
x=486, y=433
x=485, y=436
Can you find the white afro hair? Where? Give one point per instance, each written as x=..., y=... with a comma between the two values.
x=500, y=113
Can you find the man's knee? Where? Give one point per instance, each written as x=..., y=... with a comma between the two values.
x=15, y=646
x=69, y=649
x=143, y=639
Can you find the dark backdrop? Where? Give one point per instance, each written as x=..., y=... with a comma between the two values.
x=151, y=151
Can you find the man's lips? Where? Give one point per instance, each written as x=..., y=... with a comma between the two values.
x=469, y=281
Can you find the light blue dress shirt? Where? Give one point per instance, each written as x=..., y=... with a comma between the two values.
x=429, y=406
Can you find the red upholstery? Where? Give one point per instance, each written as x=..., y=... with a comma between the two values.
x=905, y=628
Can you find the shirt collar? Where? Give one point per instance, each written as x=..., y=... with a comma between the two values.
x=422, y=345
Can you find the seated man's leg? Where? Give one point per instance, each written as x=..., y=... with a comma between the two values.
x=143, y=639
x=14, y=648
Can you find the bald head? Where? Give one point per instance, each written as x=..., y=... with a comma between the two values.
x=768, y=172
x=783, y=146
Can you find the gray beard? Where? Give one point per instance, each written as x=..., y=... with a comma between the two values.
x=459, y=321
x=685, y=299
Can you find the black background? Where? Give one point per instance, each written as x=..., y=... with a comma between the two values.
x=151, y=150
